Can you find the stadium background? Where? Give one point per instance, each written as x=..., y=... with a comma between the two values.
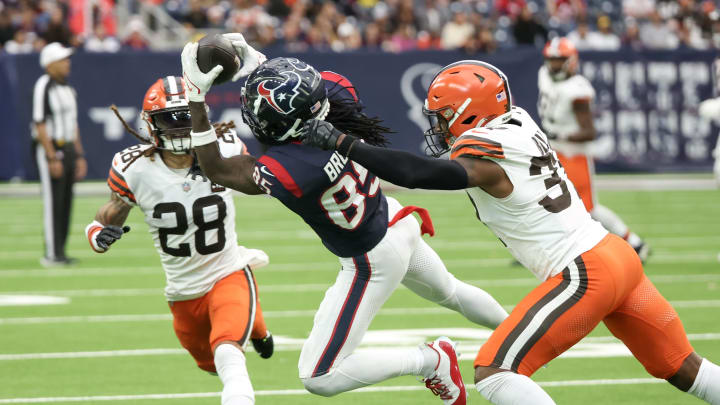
x=104, y=332
x=649, y=60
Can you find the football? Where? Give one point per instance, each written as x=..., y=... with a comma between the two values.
x=216, y=50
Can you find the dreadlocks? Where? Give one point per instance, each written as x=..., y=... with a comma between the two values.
x=346, y=114
x=220, y=129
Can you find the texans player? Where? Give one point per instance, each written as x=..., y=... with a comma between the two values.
x=505, y=164
x=210, y=286
x=565, y=108
x=378, y=243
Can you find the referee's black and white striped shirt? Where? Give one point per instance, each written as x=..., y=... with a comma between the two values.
x=54, y=104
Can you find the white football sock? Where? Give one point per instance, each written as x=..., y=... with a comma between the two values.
x=371, y=367
x=476, y=305
x=508, y=388
x=707, y=383
x=612, y=222
x=230, y=365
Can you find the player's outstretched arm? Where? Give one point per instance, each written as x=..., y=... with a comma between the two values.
x=406, y=169
x=108, y=224
x=235, y=172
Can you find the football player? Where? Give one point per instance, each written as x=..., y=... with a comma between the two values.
x=505, y=163
x=565, y=108
x=210, y=287
x=377, y=241
x=710, y=110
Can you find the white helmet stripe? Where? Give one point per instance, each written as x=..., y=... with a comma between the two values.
x=172, y=86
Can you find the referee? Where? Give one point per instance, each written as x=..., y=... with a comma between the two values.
x=58, y=150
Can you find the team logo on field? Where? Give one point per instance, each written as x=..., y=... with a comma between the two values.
x=280, y=94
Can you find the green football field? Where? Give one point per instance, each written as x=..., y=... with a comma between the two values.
x=100, y=332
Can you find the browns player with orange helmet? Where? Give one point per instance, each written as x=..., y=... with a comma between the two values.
x=504, y=162
x=192, y=222
x=565, y=108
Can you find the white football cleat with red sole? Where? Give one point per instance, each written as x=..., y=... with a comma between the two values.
x=445, y=380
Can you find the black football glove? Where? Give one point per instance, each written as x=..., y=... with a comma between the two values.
x=320, y=134
x=109, y=234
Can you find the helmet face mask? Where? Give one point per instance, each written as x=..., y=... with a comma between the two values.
x=279, y=96
x=167, y=114
x=438, y=137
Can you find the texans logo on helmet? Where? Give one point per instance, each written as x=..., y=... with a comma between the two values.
x=280, y=95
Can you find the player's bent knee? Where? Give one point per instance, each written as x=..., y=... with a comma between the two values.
x=321, y=385
x=483, y=372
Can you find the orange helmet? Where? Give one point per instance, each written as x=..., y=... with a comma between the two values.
x=561, y=48
x=464, y=95
x=167, y=114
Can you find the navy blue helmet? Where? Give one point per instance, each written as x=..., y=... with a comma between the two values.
x=279, y=96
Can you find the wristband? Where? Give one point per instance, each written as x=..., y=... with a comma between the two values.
x=203, y=138
x=346, y=145
x=92, y=230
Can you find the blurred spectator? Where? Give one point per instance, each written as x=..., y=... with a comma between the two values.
x=196, y=16
x=565, y=11
x=57, y=30
x=483, y=41
x=638, y=8
x=527, y=30
x=99, y=42
x=581, y=36
x=657, y=34
x=22, y=42
x=631, y=37
x=7, y=32
x=605, y=40
x=457, y=32
x=511, y=8
x=135, y=39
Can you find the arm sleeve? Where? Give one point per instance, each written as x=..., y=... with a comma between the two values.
x=408, y=170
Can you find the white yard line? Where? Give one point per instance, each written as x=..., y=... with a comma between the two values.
x=295, y=392
x=437, y=310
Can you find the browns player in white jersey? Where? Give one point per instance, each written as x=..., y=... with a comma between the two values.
x=503, y=161
x=565, y=108
x=210, y=287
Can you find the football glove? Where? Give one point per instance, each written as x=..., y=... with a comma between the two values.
x=101, y=237
x=320, y=134
x=249, y=56
x=197, y=83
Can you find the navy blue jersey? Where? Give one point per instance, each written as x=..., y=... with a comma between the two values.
x=339, y=199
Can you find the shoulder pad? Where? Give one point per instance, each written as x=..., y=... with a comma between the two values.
x=477, y=143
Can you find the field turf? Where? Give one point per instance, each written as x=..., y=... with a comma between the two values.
x=109, y=338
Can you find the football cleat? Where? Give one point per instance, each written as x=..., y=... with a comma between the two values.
x=264, y=346
x=445, y=380
x=643, y=250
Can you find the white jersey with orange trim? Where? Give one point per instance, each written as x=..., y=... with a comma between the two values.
x=542, y=222
x=191, y=219
x=555, y=107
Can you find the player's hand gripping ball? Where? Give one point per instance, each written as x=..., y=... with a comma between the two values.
x=214, y=50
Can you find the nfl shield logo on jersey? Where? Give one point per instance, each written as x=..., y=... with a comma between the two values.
x=186, y=186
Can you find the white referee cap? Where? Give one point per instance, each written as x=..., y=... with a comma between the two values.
x=53, y=52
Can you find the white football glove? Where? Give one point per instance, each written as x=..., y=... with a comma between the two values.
x=197, y=83
x=250, y=57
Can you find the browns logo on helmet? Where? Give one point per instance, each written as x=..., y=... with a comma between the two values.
x=561, y=58
x=464, y=95
x=166, y=112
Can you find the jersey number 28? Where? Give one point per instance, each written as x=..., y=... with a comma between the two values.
x=201, y=245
